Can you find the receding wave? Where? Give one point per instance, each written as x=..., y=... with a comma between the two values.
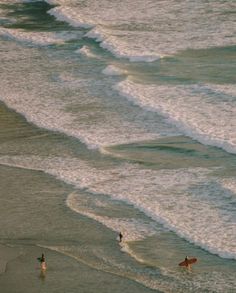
x=163, y=195
x=133, y=229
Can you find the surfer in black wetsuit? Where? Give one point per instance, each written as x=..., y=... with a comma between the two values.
x=120, y=237
x=41, y=259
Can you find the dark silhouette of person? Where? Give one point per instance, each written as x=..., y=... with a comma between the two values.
x=41, y=259
x=120, y=237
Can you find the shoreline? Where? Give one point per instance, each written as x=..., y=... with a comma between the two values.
x=23, y=273
x=32, y=199
x=168, y=196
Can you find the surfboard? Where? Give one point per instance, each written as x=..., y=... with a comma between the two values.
x=190, y=261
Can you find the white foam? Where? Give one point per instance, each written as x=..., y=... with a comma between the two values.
x=182, y=200
x=118, y=49
x=132, y=229
x=56, y=103
x=38, y=38
x=112, y=70
x=166, y=281
x=213, y=281
x=145, y=32
x=53, y=116
x=68, y=15
x=229, y=184
x=85, y=50
x=145, y=58
x=197, y=110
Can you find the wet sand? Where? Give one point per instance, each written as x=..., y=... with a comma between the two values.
x=34, y=215
x=64, y=274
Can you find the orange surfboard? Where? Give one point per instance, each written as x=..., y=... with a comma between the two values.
x=190, y=261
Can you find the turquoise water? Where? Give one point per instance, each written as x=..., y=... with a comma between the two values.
x=115, y=119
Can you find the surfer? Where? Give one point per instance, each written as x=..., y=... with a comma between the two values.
x=42, y=261
x=186, y=261
x=120, y=237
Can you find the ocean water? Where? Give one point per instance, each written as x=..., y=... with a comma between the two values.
x=130, y=107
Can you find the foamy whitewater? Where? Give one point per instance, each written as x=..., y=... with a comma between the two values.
x=199, y=206
x=148, y=90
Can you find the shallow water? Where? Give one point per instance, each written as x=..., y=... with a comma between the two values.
x=104, y=144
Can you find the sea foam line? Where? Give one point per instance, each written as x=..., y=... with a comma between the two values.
x=217, y=238
x=97, y=33
x=100, y=36
x=38, y=38
x=144, y=100
x=67, y=15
